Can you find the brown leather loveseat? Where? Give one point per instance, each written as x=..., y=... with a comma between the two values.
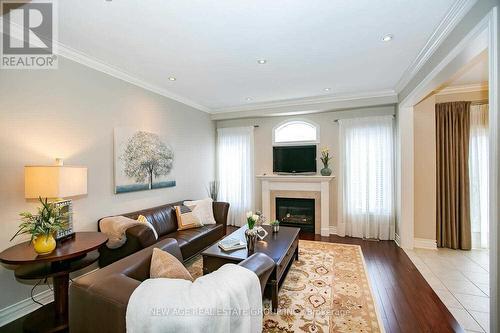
x=164, y=220
x=98, y=301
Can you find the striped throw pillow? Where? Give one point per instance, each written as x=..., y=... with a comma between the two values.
x=186, y=219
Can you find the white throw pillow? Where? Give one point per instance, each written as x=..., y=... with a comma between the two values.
x=203, y=210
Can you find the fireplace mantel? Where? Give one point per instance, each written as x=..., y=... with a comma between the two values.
x=296, y=178
x=299, y=183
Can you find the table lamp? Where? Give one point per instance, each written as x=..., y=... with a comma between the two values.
x=56, y=182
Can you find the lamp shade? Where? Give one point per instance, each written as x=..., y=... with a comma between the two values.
x=54, y=181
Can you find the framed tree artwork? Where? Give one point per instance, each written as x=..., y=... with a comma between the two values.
x=143, y=161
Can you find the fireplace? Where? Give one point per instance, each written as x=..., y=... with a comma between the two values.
x=296, y=212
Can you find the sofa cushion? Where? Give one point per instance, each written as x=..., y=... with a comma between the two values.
x=192, y=241
x=162, y=218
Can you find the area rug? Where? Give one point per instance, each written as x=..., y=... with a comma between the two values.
x=326, y=290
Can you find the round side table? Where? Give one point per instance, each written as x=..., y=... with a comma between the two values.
x=69, y=256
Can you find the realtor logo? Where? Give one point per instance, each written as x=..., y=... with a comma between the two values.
x=28, y=32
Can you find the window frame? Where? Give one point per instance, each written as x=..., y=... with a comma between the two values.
x=296, y=143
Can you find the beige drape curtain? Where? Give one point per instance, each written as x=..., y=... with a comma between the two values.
x=452, y=157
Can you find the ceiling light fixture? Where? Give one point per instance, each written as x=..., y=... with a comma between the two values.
x=387, y=38
x=327, y=89
x=172, y=78
x=262, y=61
x=248, y=99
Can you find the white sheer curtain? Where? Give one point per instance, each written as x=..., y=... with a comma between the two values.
x=235, y=171
x=367, y=156
x=478, y=174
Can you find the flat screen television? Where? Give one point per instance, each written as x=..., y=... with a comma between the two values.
x=294, y=159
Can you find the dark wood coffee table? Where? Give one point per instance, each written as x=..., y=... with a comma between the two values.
x=282, y=247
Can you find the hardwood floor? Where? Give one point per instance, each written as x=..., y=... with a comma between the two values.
x=405, y=301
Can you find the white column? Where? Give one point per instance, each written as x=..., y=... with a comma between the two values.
x=325, y=208
x=266, y=200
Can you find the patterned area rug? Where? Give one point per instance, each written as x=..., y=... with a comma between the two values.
x=327, y=290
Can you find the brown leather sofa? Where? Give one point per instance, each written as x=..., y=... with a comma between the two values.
x=98, y=301
x=164, y=220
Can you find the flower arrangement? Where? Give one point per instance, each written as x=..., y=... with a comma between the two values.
x=325, y=156
x=251, y=219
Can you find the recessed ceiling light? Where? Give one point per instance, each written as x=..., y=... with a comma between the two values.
x=262, y=61
x=327, y=89
x=248, y=98
x=172, y=78
x=387, y=38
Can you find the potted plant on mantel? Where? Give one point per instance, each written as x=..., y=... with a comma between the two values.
x=325, y=158
x=276, y=225
x=42, y=226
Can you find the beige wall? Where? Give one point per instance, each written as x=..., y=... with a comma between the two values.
x=70, y=113
x=424, y=134
x=329, y=137
x=425, y=159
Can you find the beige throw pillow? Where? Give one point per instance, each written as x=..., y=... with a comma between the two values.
x=186, y=219
x=203, y=210
x=165, y=265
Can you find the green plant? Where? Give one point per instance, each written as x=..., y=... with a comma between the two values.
x=325, y=156
x=251, y=219
x=47, y=221
x=275, y=222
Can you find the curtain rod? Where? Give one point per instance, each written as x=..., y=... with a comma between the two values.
x=482, y=101
x=337, y=120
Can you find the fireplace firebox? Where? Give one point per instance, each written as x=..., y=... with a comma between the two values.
x=296, y=212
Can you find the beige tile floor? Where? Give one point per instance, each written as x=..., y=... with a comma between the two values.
x=461, y=280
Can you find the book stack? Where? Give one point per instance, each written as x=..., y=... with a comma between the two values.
x=231, y=244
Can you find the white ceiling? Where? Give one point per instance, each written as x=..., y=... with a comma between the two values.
x=474, y=73
x=212, y=46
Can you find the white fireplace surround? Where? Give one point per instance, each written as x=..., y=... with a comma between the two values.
x=314, y=183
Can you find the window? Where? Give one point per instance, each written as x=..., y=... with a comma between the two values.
x=296, y=131
x=478, y=175
x=368, y=176
x=235, y=171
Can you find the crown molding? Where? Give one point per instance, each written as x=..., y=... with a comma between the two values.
x=310, y=101
x=98, y=65
x=87, y=60
x=449, y=22
x=464, y=88
x=311, y=105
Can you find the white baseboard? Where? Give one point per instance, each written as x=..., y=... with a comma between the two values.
x=22, y=308
x=423, y=243
x=397, y=240
x=333, y=230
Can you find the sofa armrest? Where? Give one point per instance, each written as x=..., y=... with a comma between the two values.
x=221, y=209
x=261, y=264
x=100, y=306
x=143, y=234
x=138, y=238
x=98, y=301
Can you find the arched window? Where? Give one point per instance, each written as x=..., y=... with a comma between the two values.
x=296, y=131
